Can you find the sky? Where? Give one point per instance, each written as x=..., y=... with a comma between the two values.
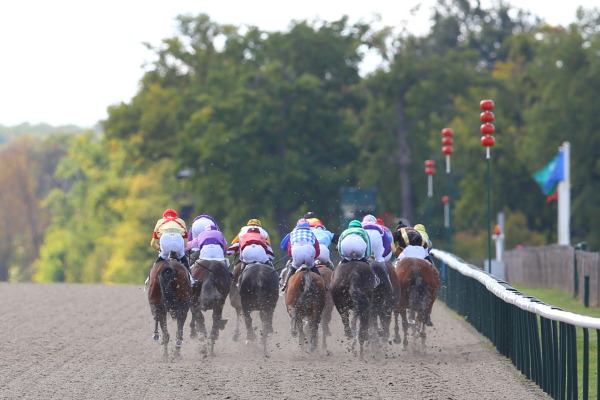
x=64, y=62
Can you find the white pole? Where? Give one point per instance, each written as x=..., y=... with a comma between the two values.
x=564, y=198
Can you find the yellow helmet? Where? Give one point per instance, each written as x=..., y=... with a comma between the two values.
x=254, y=221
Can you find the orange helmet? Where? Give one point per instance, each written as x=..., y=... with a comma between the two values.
x=313, y=222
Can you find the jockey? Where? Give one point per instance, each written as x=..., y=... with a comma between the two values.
x=234, y=248
x=409, y=243
x=325, y=238
x=199, y=223
x=253, y=247
x=380, y=244
x=354, y=243
x=170, y=235
x=426, y=241
x=210, y=242
x=388, y=233
x=302, y=245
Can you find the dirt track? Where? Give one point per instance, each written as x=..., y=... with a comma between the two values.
x=94, y=342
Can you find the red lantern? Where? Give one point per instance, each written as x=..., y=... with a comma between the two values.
x=447, y=150
x=487, y=129
x=487, y=141
x=486, y=116
x=429, y=163
x=447, y=141
x=445, y=199
x=447, y=132
x=430, y=171
x=486, y=105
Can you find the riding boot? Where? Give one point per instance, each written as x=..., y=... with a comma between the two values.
x=315, y=269
x=287, y=278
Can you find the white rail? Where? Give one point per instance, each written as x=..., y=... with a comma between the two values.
x=513, y=298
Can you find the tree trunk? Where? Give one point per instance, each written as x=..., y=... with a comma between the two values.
x=403, y=161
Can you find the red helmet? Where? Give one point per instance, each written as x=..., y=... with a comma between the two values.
x=170, y=213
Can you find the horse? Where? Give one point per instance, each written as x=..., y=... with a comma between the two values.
x=305, y=300
x=209, y=293
x=352, y=290
x=235, y=300
x=419, y=282
x=385, y=299
x=326, y=274
x=169, y=292
x=259, y=291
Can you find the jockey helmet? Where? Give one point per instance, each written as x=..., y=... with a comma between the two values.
x=254, y=222
x=420, y=228
x=309, y=214
x=355, y=224
x=170, y=213
x=369, y=218
x=314, y=222
x=302, y=223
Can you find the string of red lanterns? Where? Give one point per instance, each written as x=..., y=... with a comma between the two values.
x=429, y=171
x=487, y=129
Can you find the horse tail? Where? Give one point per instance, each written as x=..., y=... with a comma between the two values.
x=210, y=293
x=310, y=288
x=165, y=278
x=419, y=289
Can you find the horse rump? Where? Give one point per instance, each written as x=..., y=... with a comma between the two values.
x=174, y=285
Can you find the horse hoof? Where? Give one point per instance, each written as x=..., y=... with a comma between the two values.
x=193, y=335
x=235, y=337
x=222, y=323
x=155, y=337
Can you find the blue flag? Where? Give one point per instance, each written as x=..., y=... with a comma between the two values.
x=549, y=176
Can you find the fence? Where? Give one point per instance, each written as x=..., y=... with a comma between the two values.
x=558, y=267
x=540, y=340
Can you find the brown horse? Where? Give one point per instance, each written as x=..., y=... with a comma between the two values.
x=352, y=290
x=169, y=292
x=419, y=282
x=209, y=293
x=259, y=291
x=327, y=275
x=304, y=300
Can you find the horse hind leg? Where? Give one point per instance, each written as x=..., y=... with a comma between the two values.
x=250, y=335
x=397, y=338
x=266, y=317
x=181, y=317
x=165, y=336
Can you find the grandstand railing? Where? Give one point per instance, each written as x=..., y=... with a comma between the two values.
x=539, y=339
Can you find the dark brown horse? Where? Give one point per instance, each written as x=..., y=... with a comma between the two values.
x=169, y=292
x=385, y=299
x=235, y=300
x=209, y=293
x=352, y=290
x=304, y=301
x=419, y=282
x=259, y=291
